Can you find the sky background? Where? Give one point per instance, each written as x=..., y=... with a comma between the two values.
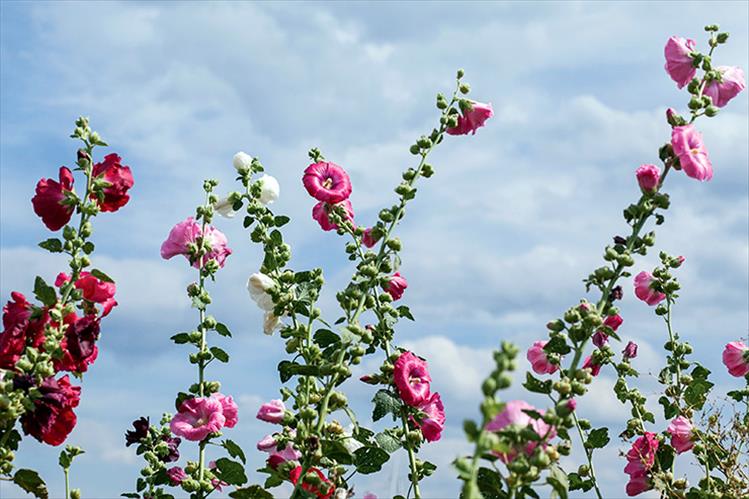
x=495, y=244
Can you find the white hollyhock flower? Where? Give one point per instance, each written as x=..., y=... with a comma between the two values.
x=271, y=189
x=258, y=285
x=242, y=161
x=270, y=323
x=224, y=208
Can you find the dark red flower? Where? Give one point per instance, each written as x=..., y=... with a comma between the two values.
x=79, y=344
x=297, y=472
x=120, y=180
x=48, y=200
x=139, y=432
x=52, y=418
x=19, y=330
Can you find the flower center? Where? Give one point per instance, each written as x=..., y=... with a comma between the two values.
x=694, y=150
x=328, y=183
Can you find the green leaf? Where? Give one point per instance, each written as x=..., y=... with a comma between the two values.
x=387, y=442
x=247, y=221
x=489, y=483
x=251, y=492
x=325, y=337
x=334, y=449
x=101, y=275
x=598, y=438
x=535, y=385
x=230, y=471
x=370, y=459
x=276, y=237
x=44, y=292
x=669, y=409
x=696, y=393
x=281, y=220
x=31, y=482
x=558, y=480
x=223, y=330
x=181, y=338
x=234, y=450
x=557, y=345
x=404, y=311
x=220, y=354
x=385, y=402
x=53, y=245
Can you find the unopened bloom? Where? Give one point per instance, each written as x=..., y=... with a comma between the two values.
x=411, y=377
x=176, y=475
x=49, y=197
x=368, y=239
x=270, y=189
x=594, y=367
x=539, y=360
x=186, y=233
x=321, y=213
x=119, y=179
x=229, y=409
x=318, y=491
x=644, y=289
x=242, y=161
x=52, y=418
x=680, y=430
x=648, y=177
x=513, y=415
x=678, y=62
x=432, y=425
x=272, y=412
x=396, y=286
x=472, y=119
x=327, y=182
x=736, y=358
x=630, y=351
x=692, y=153
x=730, y=84
x=197, y=418
x=258, y=285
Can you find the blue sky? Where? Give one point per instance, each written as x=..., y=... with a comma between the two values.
x=496, y=243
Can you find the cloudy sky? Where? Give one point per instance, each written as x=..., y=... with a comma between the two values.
x=495, y=244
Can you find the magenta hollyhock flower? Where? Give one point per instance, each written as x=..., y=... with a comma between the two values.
x=120, y=180
x=176, y=475
x=321, y=213
x=197, y=418
x=637, y=485
x=396, y=286
x=731, y=83
x=630, y=351
x=94, y=290
x=367, y=239
x=229, y=409
x=186, y=233
x=272, y=412
x=48, y=200
x=644, y=290
x=513, y=414
x=648, y=177
x=472, y=119
x=411, y=377
x=589, y=364
x=600, y=338
x=52, y=418
x=680, y=430
x=678, y=63
x=432, y=425
x=640, y=459
x=736, y=358
x=327, y=182
x=540, y=363
x=692, y=153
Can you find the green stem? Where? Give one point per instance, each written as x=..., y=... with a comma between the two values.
x=67, y=483
x=588, y=455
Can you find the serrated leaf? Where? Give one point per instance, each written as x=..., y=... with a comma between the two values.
x=384, y=403
x=558, y=480
x=535, y=385
x=53, y=245
x=489, y=483
x=404, y=311
x=387, y=442
x=370, y=459
x=281, y=220
x=598, y=438
x=101, y=275
x=325, y=337
x=44, y=292
x=334, y=449
x=220, y=354
x=31, y=482
x=234, y=450
x=230, y=471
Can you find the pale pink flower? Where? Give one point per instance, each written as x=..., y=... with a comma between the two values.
x=229, y=409
x=648, y=177
x=692, y=153
x=731, y=83
x=321, y=213
x=513, y=415
x=197, y=418
x=736, y=358
x=472, y=119
x=186, y=233
x=432, y=425
x=412, y=379
x=680, y=430
x=539, y=360
x=272, y=412
x=327, y=182
x=644, y=290
x=396, y=286
x=678, y=63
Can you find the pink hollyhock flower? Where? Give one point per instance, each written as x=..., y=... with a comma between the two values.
x=412, y=379
x=680, y=430
x=630, y=351
x=314, y=490
x=432, y=425
x=513, y=415
x=48, y=200
x=327, y=182
x=736, y=358
x=120, y=180
x=176, y=475
x=272, y=412
x=187, y=232
x=641, y=457
x=267, y=444
x=472, y=119
x=197, y=418
x=648, y=177
x=367, y=239
x=691, y=151
x=396, y=286
x=288, y=453
x=538, y=359
x=678, y=63
x=94, y=290
x=600, y=338
x=19, y=330
x=644, y=290
x=731, y=83
x=52, y=418
x=637, y=485
x=321, y=213
x=229, y=409
x=589, y=364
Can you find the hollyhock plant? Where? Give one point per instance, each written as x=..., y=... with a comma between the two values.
x=412, y=379
x=730, y=84
x=473, y=117
x=514, y=415
x=680, y=430
x=679, y=64
x=396, y=286
x=691, y=152
x=94, y=290
x=433, y=423
x=539, y=359
x=640, y=460
x=49, y=201
x=321, y=213
x=736, y=358
x=197, y=418
x=183, y=238
x=272, y=412
x=648, y=177
x=52, y=418
x=327, y=182
x=119, y=180
x=644, y=290
x=138, y=433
